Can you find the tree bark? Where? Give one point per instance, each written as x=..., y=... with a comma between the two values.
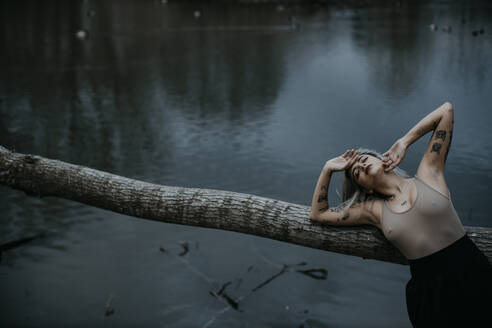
x=270, y=218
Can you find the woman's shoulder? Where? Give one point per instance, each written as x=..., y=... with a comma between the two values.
x=434, y=179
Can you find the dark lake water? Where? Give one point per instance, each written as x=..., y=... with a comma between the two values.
x=246, y=98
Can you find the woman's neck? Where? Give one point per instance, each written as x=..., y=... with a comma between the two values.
x=392, y=186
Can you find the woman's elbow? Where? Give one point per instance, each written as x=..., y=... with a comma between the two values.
x=448, y=107
x=313, y=216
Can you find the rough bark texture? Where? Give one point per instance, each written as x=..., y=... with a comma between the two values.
x=274, y=219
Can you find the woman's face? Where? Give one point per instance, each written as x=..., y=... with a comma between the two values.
x=365, y=170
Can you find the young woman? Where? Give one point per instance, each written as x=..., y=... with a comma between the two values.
x=451, y=283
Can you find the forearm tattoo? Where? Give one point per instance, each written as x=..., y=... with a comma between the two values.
x=436, y=147
x=441, y=134
x=324, y=194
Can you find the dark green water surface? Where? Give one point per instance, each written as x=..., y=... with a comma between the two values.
x=251, y=99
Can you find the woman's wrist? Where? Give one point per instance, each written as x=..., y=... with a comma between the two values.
x=327, y=170
x=406, y=142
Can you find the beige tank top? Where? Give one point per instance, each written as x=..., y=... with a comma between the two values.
x=428, y=226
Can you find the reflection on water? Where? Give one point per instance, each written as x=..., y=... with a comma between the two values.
x=243, y=98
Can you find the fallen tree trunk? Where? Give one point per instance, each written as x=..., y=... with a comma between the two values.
x=208, y=208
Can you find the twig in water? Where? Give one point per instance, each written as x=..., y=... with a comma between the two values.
x=109, y=311
x=19, y=242
x=319, y=274
x=284, y=269
x=186, y=248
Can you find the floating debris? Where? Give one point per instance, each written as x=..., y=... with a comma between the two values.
x=91, y=13
x=284, y=269
x=162, y=249
x=224, y=287
x=82, y=34
x=433, y=27
x=109, y=311
x=221, y=294
x=197, y=14
x=186, y=248
x=280, y=8
x=232, y=302
x=319, y=274
x=17, y=243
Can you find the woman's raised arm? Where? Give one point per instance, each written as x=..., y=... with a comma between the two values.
x=320, y=210
x=433, y=121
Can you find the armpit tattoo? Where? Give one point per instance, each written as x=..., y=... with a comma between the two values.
x=436, y=147
x=441, y=134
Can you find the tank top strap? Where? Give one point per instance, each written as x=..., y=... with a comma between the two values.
x=426, y=185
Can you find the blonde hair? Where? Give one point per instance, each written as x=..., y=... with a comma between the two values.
x=352, y=193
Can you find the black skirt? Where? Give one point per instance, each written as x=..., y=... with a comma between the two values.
x=451, y=288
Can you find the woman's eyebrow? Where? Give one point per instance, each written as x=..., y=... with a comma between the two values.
x=352, y=170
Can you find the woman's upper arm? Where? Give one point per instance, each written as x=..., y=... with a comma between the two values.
x=431, y=168
x=357, y=214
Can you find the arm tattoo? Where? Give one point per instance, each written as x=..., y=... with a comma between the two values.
x=441, y=134
x=323, y=209
x=322, y=198
x=436, y=147
x=335, y=209
x=345, y=217
x=324, y=188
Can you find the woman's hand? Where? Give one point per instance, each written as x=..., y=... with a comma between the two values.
x=393, y=157
x=342, y=162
